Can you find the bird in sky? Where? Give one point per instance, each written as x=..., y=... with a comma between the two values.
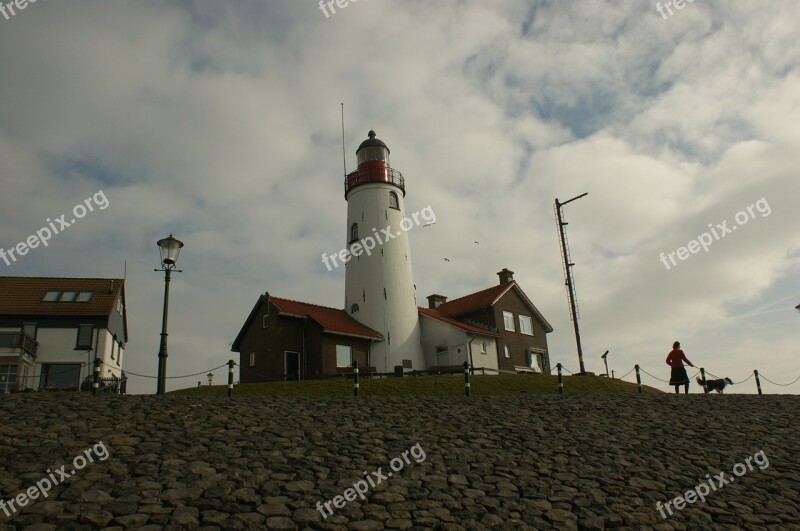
x=446, y=259
x=478, y=242
x=428, y=224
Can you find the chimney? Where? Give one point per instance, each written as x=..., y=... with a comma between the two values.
x=506, y=276
x=434, y=301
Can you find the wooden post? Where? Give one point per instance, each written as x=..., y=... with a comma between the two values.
x=560, y=380
x=356, y=390
x=230, y=378
x=638, y=378
x=703, y=379
x=758, y=381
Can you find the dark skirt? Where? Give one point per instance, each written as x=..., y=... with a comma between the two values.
x=679, y=376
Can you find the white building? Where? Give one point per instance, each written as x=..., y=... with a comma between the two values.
x=53, y=329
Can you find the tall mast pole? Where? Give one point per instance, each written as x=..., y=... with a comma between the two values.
x=568, y=274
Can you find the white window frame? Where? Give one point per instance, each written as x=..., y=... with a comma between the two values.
x=508, y=320
x=483, y=347
x=529, y=320
x=507, y=351
x=264, y=321
x=252, y=360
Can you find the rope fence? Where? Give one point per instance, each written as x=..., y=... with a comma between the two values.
x=116, y=385
x=704, y=377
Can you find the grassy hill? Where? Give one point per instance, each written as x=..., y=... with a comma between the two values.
x=496, y=385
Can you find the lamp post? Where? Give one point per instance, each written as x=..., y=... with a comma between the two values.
x=605, y=360
x=170, y=248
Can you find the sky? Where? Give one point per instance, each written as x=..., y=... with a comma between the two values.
x=220, y=123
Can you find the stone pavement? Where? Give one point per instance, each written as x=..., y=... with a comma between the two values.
x=528, y=462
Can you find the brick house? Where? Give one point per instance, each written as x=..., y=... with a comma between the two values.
x=522, y=329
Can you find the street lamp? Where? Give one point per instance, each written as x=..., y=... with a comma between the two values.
x=170, y=248
x=605, y=360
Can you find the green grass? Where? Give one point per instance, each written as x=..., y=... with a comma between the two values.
x=496, y=385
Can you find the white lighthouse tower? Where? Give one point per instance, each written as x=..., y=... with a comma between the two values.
x=379, y=285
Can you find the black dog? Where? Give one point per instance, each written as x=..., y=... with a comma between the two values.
x=716, y=385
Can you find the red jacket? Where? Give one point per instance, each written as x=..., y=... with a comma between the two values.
x=676, y=358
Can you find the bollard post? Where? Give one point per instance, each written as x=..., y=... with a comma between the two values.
x=560, y=380
x=230, y=378
x=466, y=379
x=703, y=379
x=638, y=378
x=356, y=390
x=96, y=383
x=758, y=381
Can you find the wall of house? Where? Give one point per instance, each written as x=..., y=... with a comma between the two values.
x=437, y=334
x=328, y=352
x=105, y=343
x=518, y=342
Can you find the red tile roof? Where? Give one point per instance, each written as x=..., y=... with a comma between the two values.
x=488, y=297
x=474, y=301
x=458, y=324
x=332, y=320
x=23, y=296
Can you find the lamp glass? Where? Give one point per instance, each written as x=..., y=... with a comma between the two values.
x=170, y=248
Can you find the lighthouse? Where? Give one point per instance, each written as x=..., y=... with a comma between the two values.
x=379, y=284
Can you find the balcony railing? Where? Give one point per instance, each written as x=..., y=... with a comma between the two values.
x=19, y=340
x=374, y=175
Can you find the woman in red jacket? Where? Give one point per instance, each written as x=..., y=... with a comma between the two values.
x=675, y=360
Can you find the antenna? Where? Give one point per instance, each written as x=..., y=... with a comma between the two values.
x=125, y=271
x=344, y=157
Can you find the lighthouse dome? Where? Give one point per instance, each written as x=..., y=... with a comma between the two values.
x=372, y=149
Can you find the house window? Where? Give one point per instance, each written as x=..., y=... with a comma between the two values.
x=113, y=346
x=353, y=232
x=29, y=329
x=84, y=341
x=67, y=296
x=51, y=296
x=525, y=325
x=252, y=359
x=84, y=296
x=119, y=305
x=8, y=378
x=407, y=364
x=508, y=321
x=393, y=201
x=344, y=356
x=354, y=308
x=60, y=376
x=507, y=351
x=483, y=347
x=264, y=321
